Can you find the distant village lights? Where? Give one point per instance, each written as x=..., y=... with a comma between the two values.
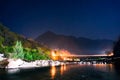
x=64, y=55
x=59, y=54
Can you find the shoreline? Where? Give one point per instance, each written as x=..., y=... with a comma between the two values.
x=19, y=63
x=10, y=63
x=33, y=64
x=16, y=65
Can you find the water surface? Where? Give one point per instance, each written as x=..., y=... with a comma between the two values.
x=65, y=72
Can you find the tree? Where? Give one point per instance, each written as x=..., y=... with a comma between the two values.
x=1, y=44
x=18, y=50
x=116, y=49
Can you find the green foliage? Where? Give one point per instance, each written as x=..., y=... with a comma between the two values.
x=46, y=52
x=34, y=54
x=26, y=49
x=18, y=50
x=8, y=50
x=27, y=54
x=1, y=44
x=1, y=49
x=1, y=40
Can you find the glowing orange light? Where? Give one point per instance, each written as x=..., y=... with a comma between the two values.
x=53, y=55
x=59, y=54
x=111, y=54
x=64, y=54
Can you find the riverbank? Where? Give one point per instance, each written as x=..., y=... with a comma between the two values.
x=18, y=63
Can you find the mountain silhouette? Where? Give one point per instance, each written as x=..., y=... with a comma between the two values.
x=80, y=45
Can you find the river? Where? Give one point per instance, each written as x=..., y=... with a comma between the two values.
x=64, y=72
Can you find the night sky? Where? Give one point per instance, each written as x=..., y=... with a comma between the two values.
x=96, y=19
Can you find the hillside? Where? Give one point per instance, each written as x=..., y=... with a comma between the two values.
x=16, y=46
x=8, y=38
x=73, y=44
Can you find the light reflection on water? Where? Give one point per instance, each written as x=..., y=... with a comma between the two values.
x=62, y=69
x=53, y=71
x=104, y=67
x=84, y=71
x=66, y=72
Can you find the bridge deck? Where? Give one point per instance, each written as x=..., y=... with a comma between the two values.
x=86, y=56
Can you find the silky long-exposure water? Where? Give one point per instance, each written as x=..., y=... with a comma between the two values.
x=64, y=72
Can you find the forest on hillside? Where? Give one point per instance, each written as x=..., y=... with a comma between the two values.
x=13, y=45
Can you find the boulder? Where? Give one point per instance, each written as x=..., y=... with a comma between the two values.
x=4, y=63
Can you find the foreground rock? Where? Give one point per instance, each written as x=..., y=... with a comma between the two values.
x=3, y=63
x=23, y=64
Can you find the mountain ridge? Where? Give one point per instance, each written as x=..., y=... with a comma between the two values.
x=77, y=45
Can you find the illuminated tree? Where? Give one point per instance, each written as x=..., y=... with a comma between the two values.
x=18, y=50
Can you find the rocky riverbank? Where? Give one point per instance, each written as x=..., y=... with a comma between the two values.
x=18, y=63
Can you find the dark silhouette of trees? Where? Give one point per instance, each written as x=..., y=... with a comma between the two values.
x=116, y=49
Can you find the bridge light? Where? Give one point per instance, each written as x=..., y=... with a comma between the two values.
x=76, y=59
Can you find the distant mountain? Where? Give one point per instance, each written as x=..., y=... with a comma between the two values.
x=75, y=45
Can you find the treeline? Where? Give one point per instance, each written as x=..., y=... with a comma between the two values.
x=16, y=46
x=19, y=52
x=116, y=49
